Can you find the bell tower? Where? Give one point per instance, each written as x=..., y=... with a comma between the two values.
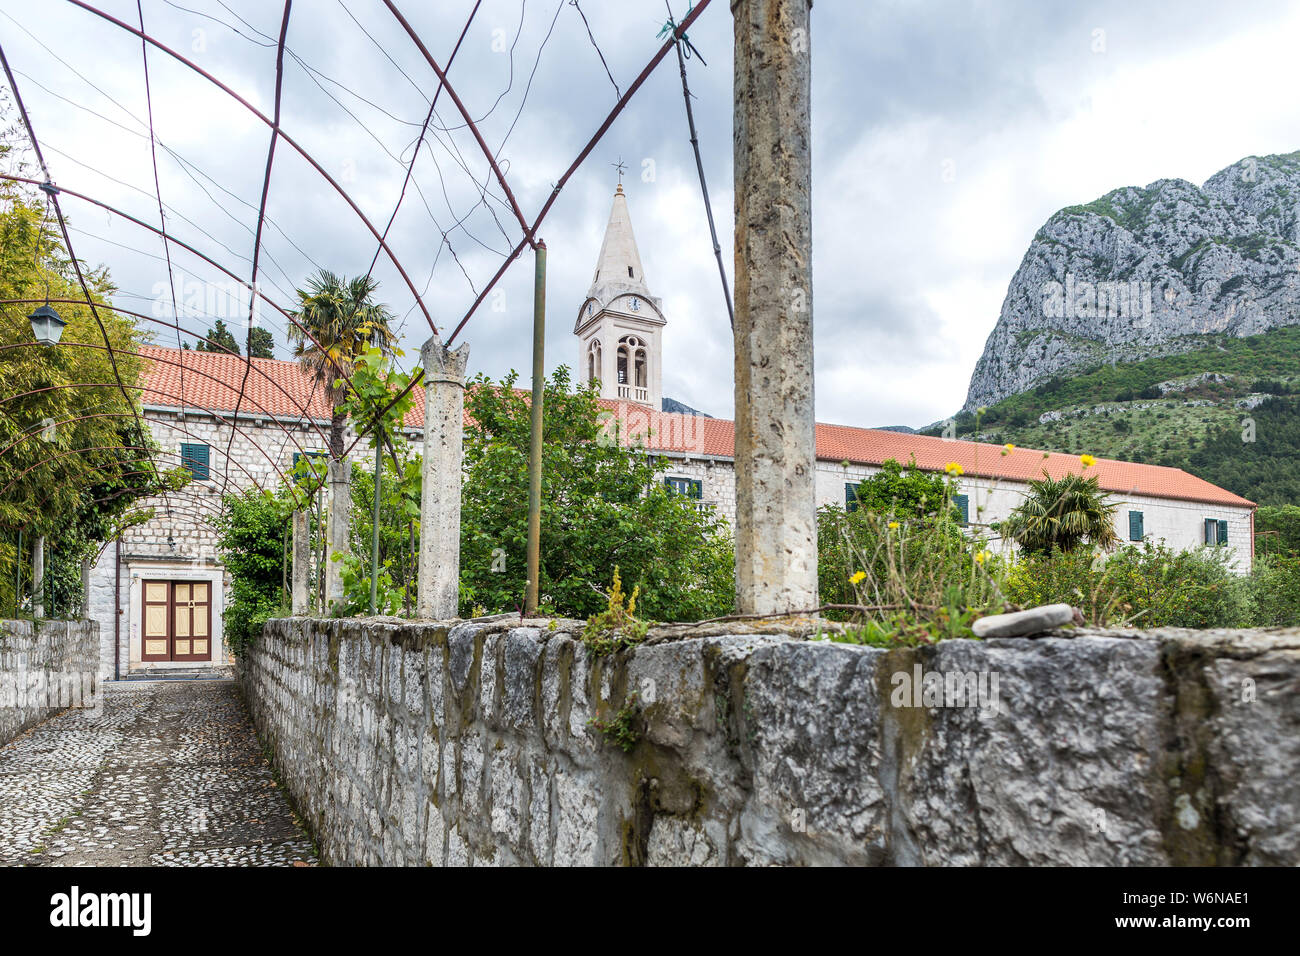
x=620, y=324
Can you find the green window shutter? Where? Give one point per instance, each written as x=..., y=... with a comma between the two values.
x=1135, y=529
x=850, y=496
x=697, y=489
x=963, y=505
x=196, y=459
x=1223, y=531
x=684, y=486
x=311, y=457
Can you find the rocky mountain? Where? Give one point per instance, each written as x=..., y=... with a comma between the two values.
x=681, y=408
x=1145, y=272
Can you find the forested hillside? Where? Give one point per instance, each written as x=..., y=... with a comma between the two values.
x=1228, y=412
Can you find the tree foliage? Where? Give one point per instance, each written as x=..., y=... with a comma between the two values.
x=905, y=492
x=603, y=506
x=220, y=339
x=73, y=462
x=1277, y=529
x=261, y=343
x=345, y=321
x=1062, y=514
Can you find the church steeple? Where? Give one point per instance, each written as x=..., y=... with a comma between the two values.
x=619, y=264
x=619, y=323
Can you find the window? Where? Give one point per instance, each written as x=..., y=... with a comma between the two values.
x=963, y=506
x=1216, y=531
x=632, y=362
x=850, y=496
x=690, y=487
x=196, y=459
x=593, y=361
x=1135, y=529
x=313, y=456
x=629, y=273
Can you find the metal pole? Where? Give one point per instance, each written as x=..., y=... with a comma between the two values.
x=18, y=575
x=704, y=189
x=535, y=434
x=374, y=518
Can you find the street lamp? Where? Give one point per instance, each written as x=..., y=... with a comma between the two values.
x=47, y=325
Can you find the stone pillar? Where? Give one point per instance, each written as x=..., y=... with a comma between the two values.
x=38, y=577
x=301, y=561
x=85, y=589
x=776, y=508
x=337, y=529
x=444, y=408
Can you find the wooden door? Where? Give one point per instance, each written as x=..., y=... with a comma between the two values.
x=177, y=621
x=156, y=626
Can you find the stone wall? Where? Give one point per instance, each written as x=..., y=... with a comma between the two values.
x=45, y=666
x=419, y=743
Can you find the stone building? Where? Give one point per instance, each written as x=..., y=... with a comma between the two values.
x=159, y=592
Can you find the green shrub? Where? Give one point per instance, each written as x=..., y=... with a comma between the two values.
x=1276, y=587
x=1062, y=577
x=252, y=532
x=1168, y=588
x=906, y=577
x=1148, y=585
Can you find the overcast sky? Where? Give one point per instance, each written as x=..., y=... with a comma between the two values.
x=944, y=134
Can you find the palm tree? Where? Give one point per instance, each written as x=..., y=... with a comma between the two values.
x=1062, y=514
x=344, y=319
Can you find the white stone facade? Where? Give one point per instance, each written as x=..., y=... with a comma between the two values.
x=178, y=544
x=1179, y=524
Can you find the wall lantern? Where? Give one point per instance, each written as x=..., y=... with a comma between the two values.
x=47, y=325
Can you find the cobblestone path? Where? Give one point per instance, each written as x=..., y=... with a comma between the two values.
x=167, y=773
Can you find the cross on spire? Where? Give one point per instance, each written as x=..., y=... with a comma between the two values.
x=620, y=166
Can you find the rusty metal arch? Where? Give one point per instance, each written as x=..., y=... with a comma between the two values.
x=280, y=132
x=165, y=361
x=174, y=427
x=81, y=451
x=202, y=409
x=214, y=414
x=184, y=245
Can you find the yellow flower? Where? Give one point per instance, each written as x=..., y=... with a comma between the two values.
x=1088, y=460
x=1009, y=447
x=954, y=469
x=858, y=578
x=893, y=526
x=980, y=556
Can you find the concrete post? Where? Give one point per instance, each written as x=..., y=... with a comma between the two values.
x=38, y=577
x=337, y=529
x=85, y=588
x=301, y=561
x=776, y=521
x=444, y=408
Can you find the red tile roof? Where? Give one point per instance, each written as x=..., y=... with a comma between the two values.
x=282, y=389
x=212, y=379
